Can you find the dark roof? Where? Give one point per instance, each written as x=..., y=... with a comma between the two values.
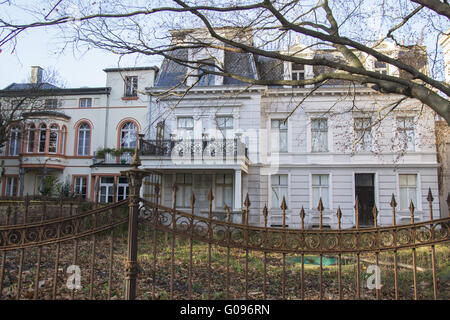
x=46, y=114
x=172, y=73
x=31, y=86
x=47, y=89
x=131, y=69
x=269, y=68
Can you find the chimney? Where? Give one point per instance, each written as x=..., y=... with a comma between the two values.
x=36, y=74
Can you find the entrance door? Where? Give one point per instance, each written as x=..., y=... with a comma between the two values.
x=364, y=189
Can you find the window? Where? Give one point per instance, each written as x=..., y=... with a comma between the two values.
x=122, y=188
x=184, y=191
x=408, y=190
x=225, y=127
x=51, y=103
x=11, y=187
x=53, y=139
x=298, y=73
x=14, y=141
x=84, y=137
x=128, y=135
x=185, y=127
x=279, y=134
x=150, y=183
x=207, y=79
x=380, y=67
x=160, y=131
x=320, y=189
x=31, y=137
x=80, y=186
x=42, y=137
x=131, y=85
x=279, y=189
x=106, y=194
x=363, y=131
x=319, y=135
x=405, y=128
x=62, y=142
x=85, y=102
x=224, y=190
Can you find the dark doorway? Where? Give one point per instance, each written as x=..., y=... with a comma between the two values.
x=364, y=189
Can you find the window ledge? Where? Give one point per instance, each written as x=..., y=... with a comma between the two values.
x=126, y=98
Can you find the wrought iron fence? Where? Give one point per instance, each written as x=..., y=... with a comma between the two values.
x=137, y=249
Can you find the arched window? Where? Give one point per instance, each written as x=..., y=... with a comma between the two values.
x=31, y=138
x=53, y=139
x=62, y=142
x=14, y=141
x=42, y=137
x=84, y=139
x=128, y=135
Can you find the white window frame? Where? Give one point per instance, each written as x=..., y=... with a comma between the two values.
x=418, y=206
x=361, y=145
x=271, y=190
x=87, y=134
x=54, y=129
x=402, y=133
x=14, y=141
x=85, y=102
x=220, y=187
x=131, y=86
x=185, y=132
x=277, y=131
x=129, y=131
x=326, y=149
x=31, y=128
x=314, y=204
x=125, y=186
x=181, y=189
x=109, y=187
x=78, y=182
x=11, y=184
x=224, y=130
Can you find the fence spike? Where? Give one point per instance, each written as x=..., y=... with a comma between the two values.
x=393, y=203
x=320, y=206
x=430, y=196
x=192, y=200
x=283, y=204
x=339, y=216
x=411, y=209
x=265, y=212
x=210, y=195
x=247, y=201
x=375, y=215
x=227, y=211
x=302, y=217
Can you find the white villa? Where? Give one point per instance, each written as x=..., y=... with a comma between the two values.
x=268, y=141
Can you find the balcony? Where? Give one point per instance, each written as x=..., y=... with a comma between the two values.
x=195, y=152
x=112, y=157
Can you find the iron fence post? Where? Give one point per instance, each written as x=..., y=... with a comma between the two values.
x=135, y=177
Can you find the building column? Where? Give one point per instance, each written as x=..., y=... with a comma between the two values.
x=237, y=190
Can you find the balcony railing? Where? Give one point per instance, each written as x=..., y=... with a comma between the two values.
x=210, y=149
x=111, y=158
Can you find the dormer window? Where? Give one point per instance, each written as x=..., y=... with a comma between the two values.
x=207, y=79
x=131, y=85
x=380, y=67
x=298, y=73
x=51, y=103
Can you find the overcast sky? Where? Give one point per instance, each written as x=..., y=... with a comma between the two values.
x=41, y=47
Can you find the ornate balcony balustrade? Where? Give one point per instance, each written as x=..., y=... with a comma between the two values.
x=205, y=149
